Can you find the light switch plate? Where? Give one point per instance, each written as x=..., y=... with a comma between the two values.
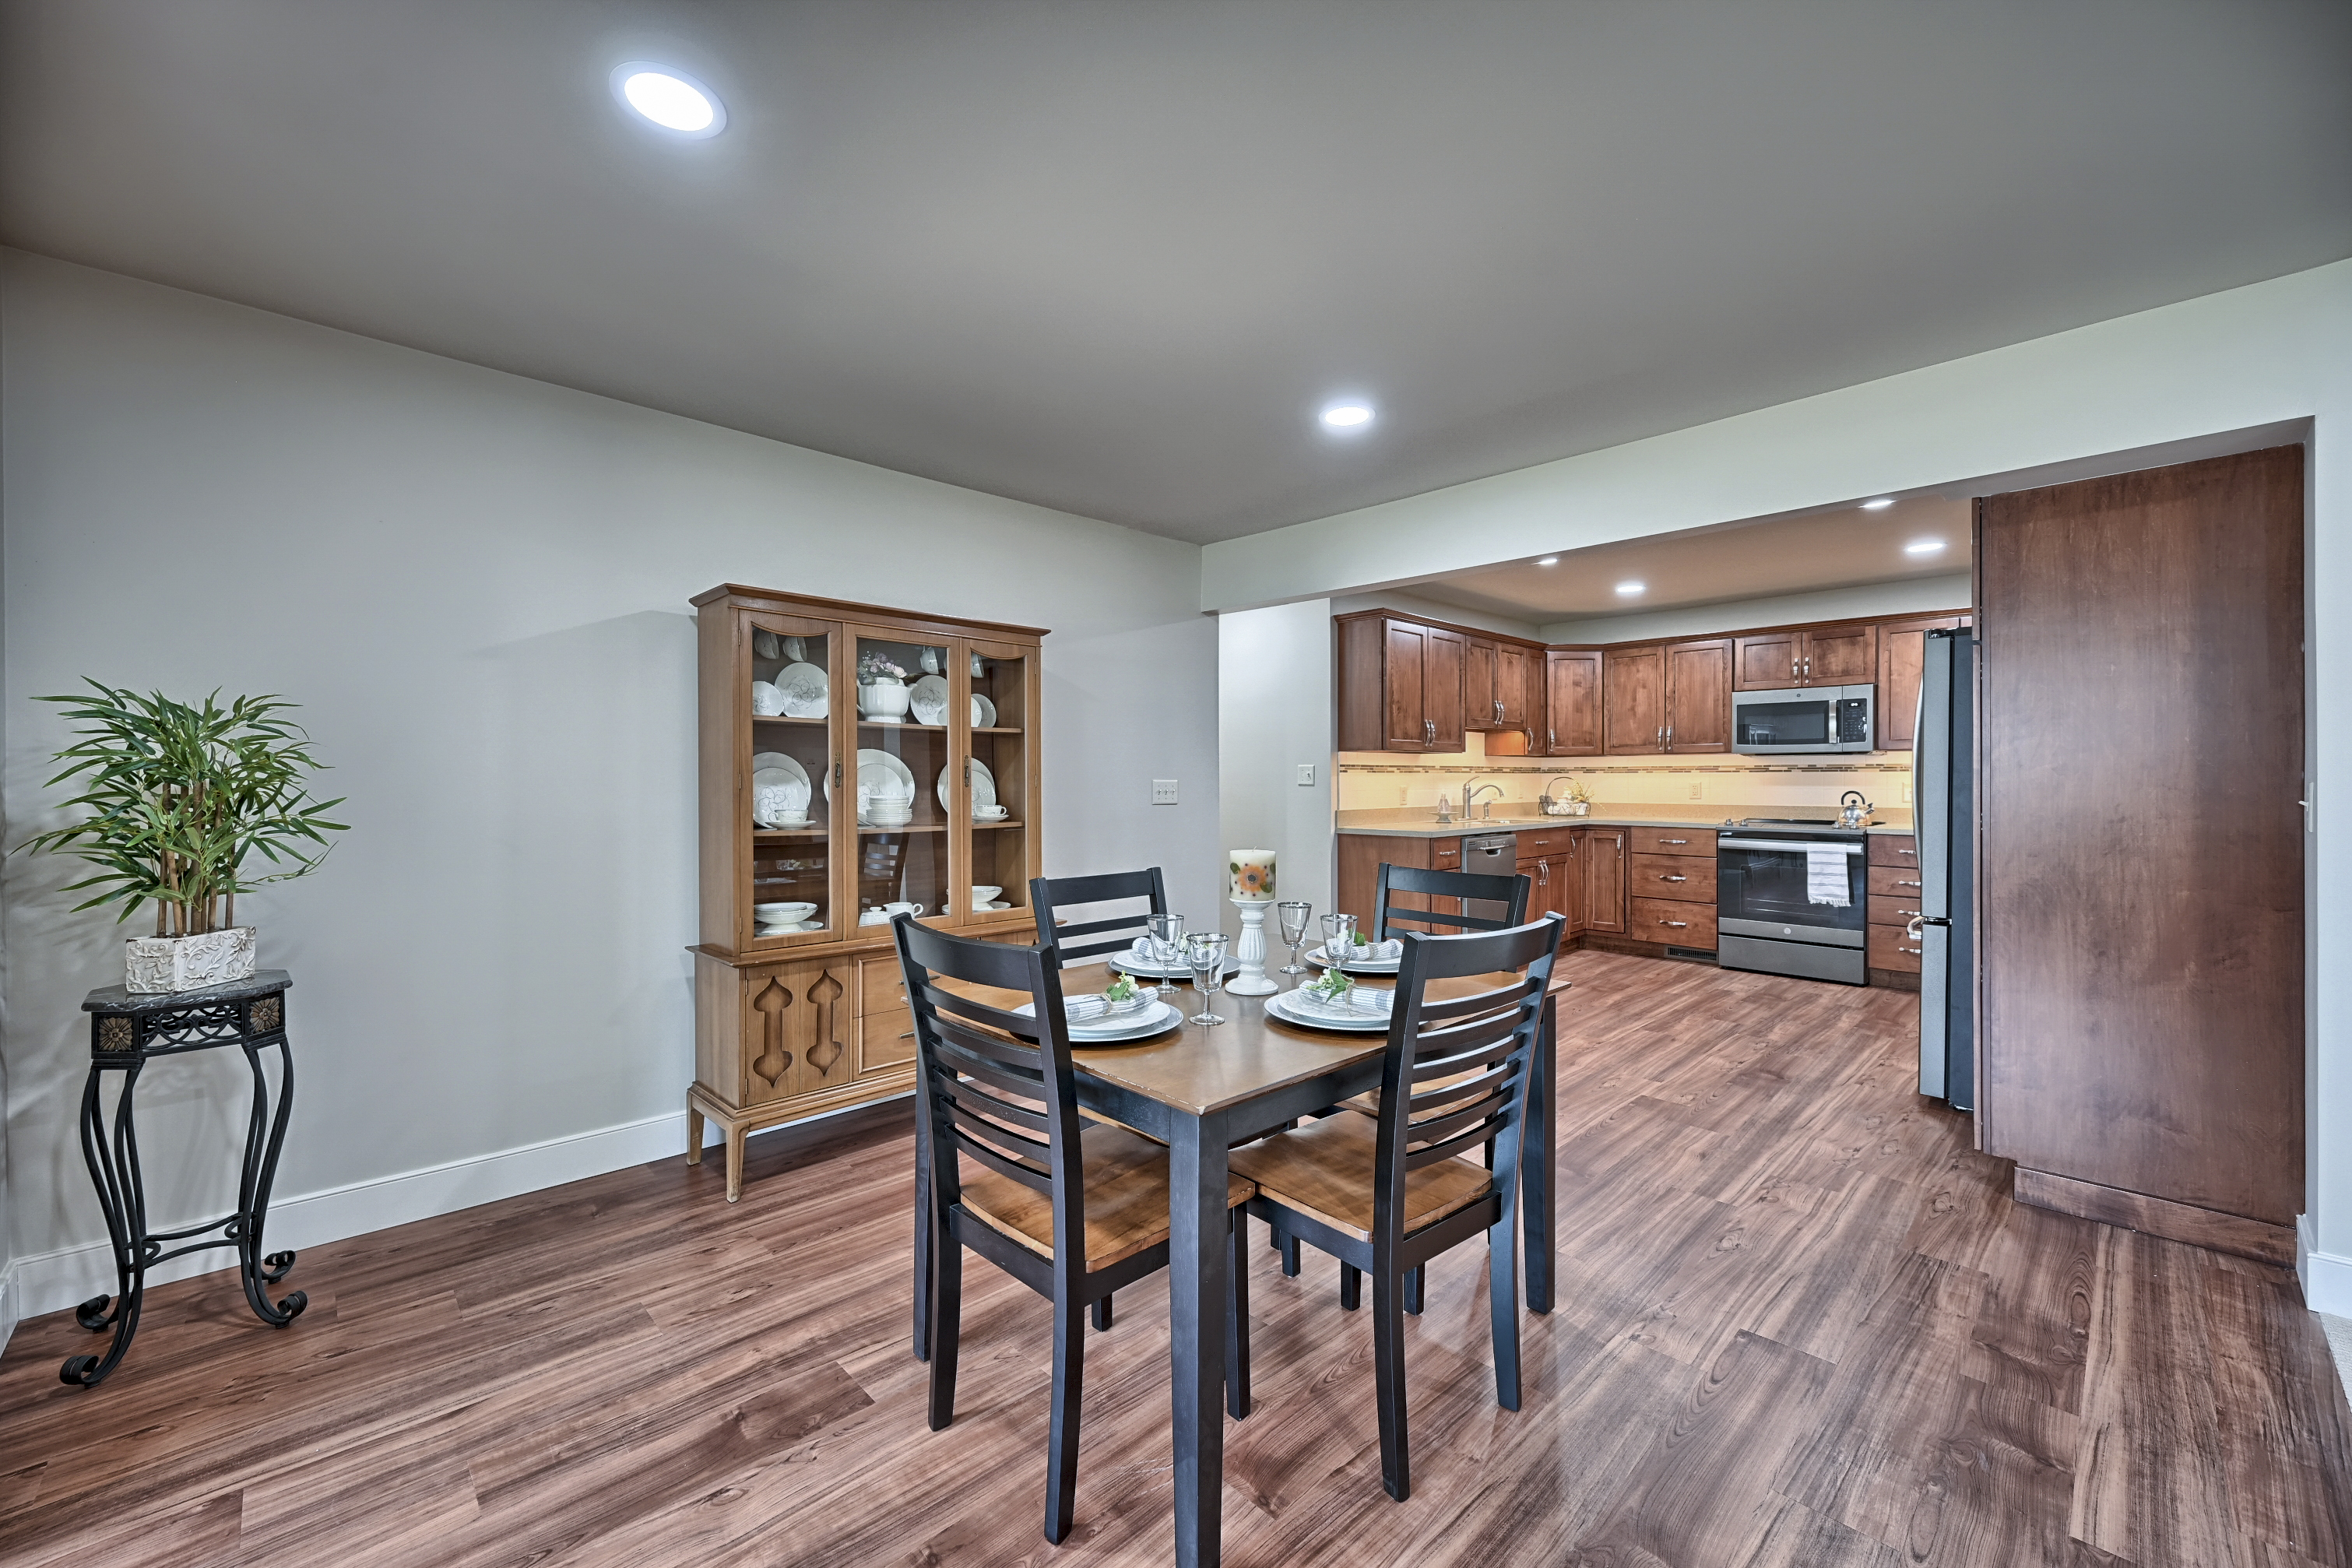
x=1699, y=792
x=1163, y=792
x=1305, y=775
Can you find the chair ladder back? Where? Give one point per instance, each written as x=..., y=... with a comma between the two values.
x=1506, y=893
x=1048, y=894
x=995, y=1086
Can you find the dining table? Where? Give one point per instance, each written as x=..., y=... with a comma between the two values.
x=1201, y=1089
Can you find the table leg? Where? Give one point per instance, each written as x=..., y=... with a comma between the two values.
x=1198, y=1244
x=1539, y=1158
x=260, y=1272
x=114, y=1171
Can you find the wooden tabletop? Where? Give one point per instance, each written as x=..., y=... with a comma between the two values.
x=1203, y=1067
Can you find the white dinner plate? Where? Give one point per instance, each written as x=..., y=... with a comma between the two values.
x=1157, y=1019
x=983, y=713
x=926, y=700
x=1131, y=964
x=780, y=791
x=1357, y=1020
x=983, y=788
x=1357, y=966
x=880, y=776
x=807, y=693
x=772, y=760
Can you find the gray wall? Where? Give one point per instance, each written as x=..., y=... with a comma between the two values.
x=476, y=586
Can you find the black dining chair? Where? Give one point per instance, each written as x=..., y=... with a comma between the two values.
x=1386, y=1194
x=1506, y=896
x=1049, y=894
x=1073, y=1209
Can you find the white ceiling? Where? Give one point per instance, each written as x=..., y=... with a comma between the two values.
x=1112, y=257
x=1753, y=560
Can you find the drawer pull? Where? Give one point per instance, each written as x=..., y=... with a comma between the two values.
x=1673, y=840
x=1915, y=952
x=1906, y=884
x=1906, y=911
x=1676, y=924
x=1664, y=877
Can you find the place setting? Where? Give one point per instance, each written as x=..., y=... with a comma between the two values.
x=1124, y=1012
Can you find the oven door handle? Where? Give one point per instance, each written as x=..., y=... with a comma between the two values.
x=1784, y=844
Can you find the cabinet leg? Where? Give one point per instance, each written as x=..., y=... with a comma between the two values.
x=693, y=1136
x=734, y=1164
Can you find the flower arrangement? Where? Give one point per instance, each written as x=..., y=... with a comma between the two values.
x=874, y=667
x=1332, y=985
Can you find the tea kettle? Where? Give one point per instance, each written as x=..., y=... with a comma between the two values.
x=1853, y=810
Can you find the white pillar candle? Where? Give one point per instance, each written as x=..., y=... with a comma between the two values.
x=1252, y=871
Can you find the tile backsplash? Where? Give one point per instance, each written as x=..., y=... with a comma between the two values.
x=1386, y=780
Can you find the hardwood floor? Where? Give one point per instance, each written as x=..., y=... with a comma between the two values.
x=1799, y=1323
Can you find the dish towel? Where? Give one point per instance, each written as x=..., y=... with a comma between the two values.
x=1825, y=878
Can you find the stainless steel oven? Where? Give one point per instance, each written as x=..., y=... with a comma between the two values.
x=1804, y=719
x=1791, y=897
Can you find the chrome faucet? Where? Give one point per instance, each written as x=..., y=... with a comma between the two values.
x=1470, y=797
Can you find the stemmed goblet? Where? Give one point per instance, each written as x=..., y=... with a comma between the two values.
x=1166, y=939
x=1294, y=914
x=1204, y=950
x=1338, y=939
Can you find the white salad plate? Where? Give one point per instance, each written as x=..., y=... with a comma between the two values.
x=1355, y=965
x=1155, y=1019
x=983, y=713
x=882, y=780
x=926, y=700
x=1358, y=1014
x=779, y=792
x=806, y=692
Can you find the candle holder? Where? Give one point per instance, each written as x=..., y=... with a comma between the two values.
x=1251, y=951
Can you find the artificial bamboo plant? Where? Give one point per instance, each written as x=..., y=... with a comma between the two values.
x=179, y=795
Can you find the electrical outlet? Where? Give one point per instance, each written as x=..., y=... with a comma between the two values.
x=1699, y=792
x=1907, y=794
x=1163, y=792
x=1306, y=775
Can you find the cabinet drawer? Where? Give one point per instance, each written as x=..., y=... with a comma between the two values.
x=885, y=1026
x=1542, y=844
x=1893, y=909
x=1662, y=920
x=1890, y=949
x=1895, y=882
x=1674, y=841
x=1684, y=879
x=1887, y=849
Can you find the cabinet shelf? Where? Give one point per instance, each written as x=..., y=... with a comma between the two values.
x=781, y=719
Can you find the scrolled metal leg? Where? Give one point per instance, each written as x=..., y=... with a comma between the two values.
x=257, y=1271
x=114, y=1173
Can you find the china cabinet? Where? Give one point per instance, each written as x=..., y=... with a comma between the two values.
x=854, y=762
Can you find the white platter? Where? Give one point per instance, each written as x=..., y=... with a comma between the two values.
x=1157, y=1019
x=983, y=713
x=1355, y=966
x=927, y=700
x=1287, y=1006
x=880, y=776
x=807, y=693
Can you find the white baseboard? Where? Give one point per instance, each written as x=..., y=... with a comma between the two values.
x=2326, y=1278
x=7, y=1302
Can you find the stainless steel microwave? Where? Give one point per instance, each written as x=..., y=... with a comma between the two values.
x=1804, y=719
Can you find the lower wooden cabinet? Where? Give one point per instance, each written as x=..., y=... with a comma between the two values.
x=1893, y=951
x=1676, y=924
x=1600, y=856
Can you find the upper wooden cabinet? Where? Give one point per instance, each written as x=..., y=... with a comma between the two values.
x=1571, y=703
x=1901, y=644
x=1496, y=685
x=1401, y=684
x=1675, y=697
x=1806, y=656
x=1633, y=700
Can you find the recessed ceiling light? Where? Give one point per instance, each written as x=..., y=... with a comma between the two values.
x=670, y=98
x=1348, y=415
x=1631, y=586
x=1924, y=547
x=1881, y=504
x=1549, y=561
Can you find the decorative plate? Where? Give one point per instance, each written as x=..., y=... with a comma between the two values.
x=807, y=693
x=983, y=786
x=1157, y=1019
x=926, y=700
x=779, y=792
x=983, y=713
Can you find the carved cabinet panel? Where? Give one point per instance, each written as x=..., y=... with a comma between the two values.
x=799, y=1024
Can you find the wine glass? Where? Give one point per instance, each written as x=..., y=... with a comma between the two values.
x=1166, y=939
x=1204, y=950
x=1294, y=914
x=1338, y=938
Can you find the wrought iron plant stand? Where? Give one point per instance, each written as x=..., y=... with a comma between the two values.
x=127, y=1031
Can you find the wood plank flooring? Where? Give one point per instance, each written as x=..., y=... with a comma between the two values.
x=1799, y=1323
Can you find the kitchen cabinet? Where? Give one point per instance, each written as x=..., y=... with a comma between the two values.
x=1571, y=698
x=1901, y=644
x=1673, y=697
x=1401, y=684
x=1361, y=855
x=1600, y=856
x=1494, y=685
x=1894, y=952
x=1670, y=887
x=1845, y=655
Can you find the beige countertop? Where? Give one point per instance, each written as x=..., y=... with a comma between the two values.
x=1418, y=822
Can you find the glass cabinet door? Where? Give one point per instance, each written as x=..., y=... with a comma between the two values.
x=1000, y=778
x=787, y=769
x=901, y=772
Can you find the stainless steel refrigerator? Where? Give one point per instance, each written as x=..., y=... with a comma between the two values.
x=1942, y=763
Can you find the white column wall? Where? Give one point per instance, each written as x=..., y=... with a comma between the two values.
x=1274, y=684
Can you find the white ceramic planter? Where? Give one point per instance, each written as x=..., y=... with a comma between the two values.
x=152, y=965
x=884, y=701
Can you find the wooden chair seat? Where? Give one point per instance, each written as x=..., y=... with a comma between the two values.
x=1126, y=1184
x=1324, y=1170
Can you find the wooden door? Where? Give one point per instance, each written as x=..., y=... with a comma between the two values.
x=1698, y=695
x=1404, y=674
x=1841, y=656
x=1442, y=677
x=1901, y=647
x=1603, y=852
x=1513, y=668
x=1768, y=661
x=2141, y=844
x=1479, y=709
x=1633, y=700
x=1571, y=697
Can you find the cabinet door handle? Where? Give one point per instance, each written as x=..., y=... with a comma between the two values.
x=1662, y=737
x=1792, y=668
x=1809, y=667
x=1670, y=737
x=1543, y=872
x=1551, y=739
x=1429, y=730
